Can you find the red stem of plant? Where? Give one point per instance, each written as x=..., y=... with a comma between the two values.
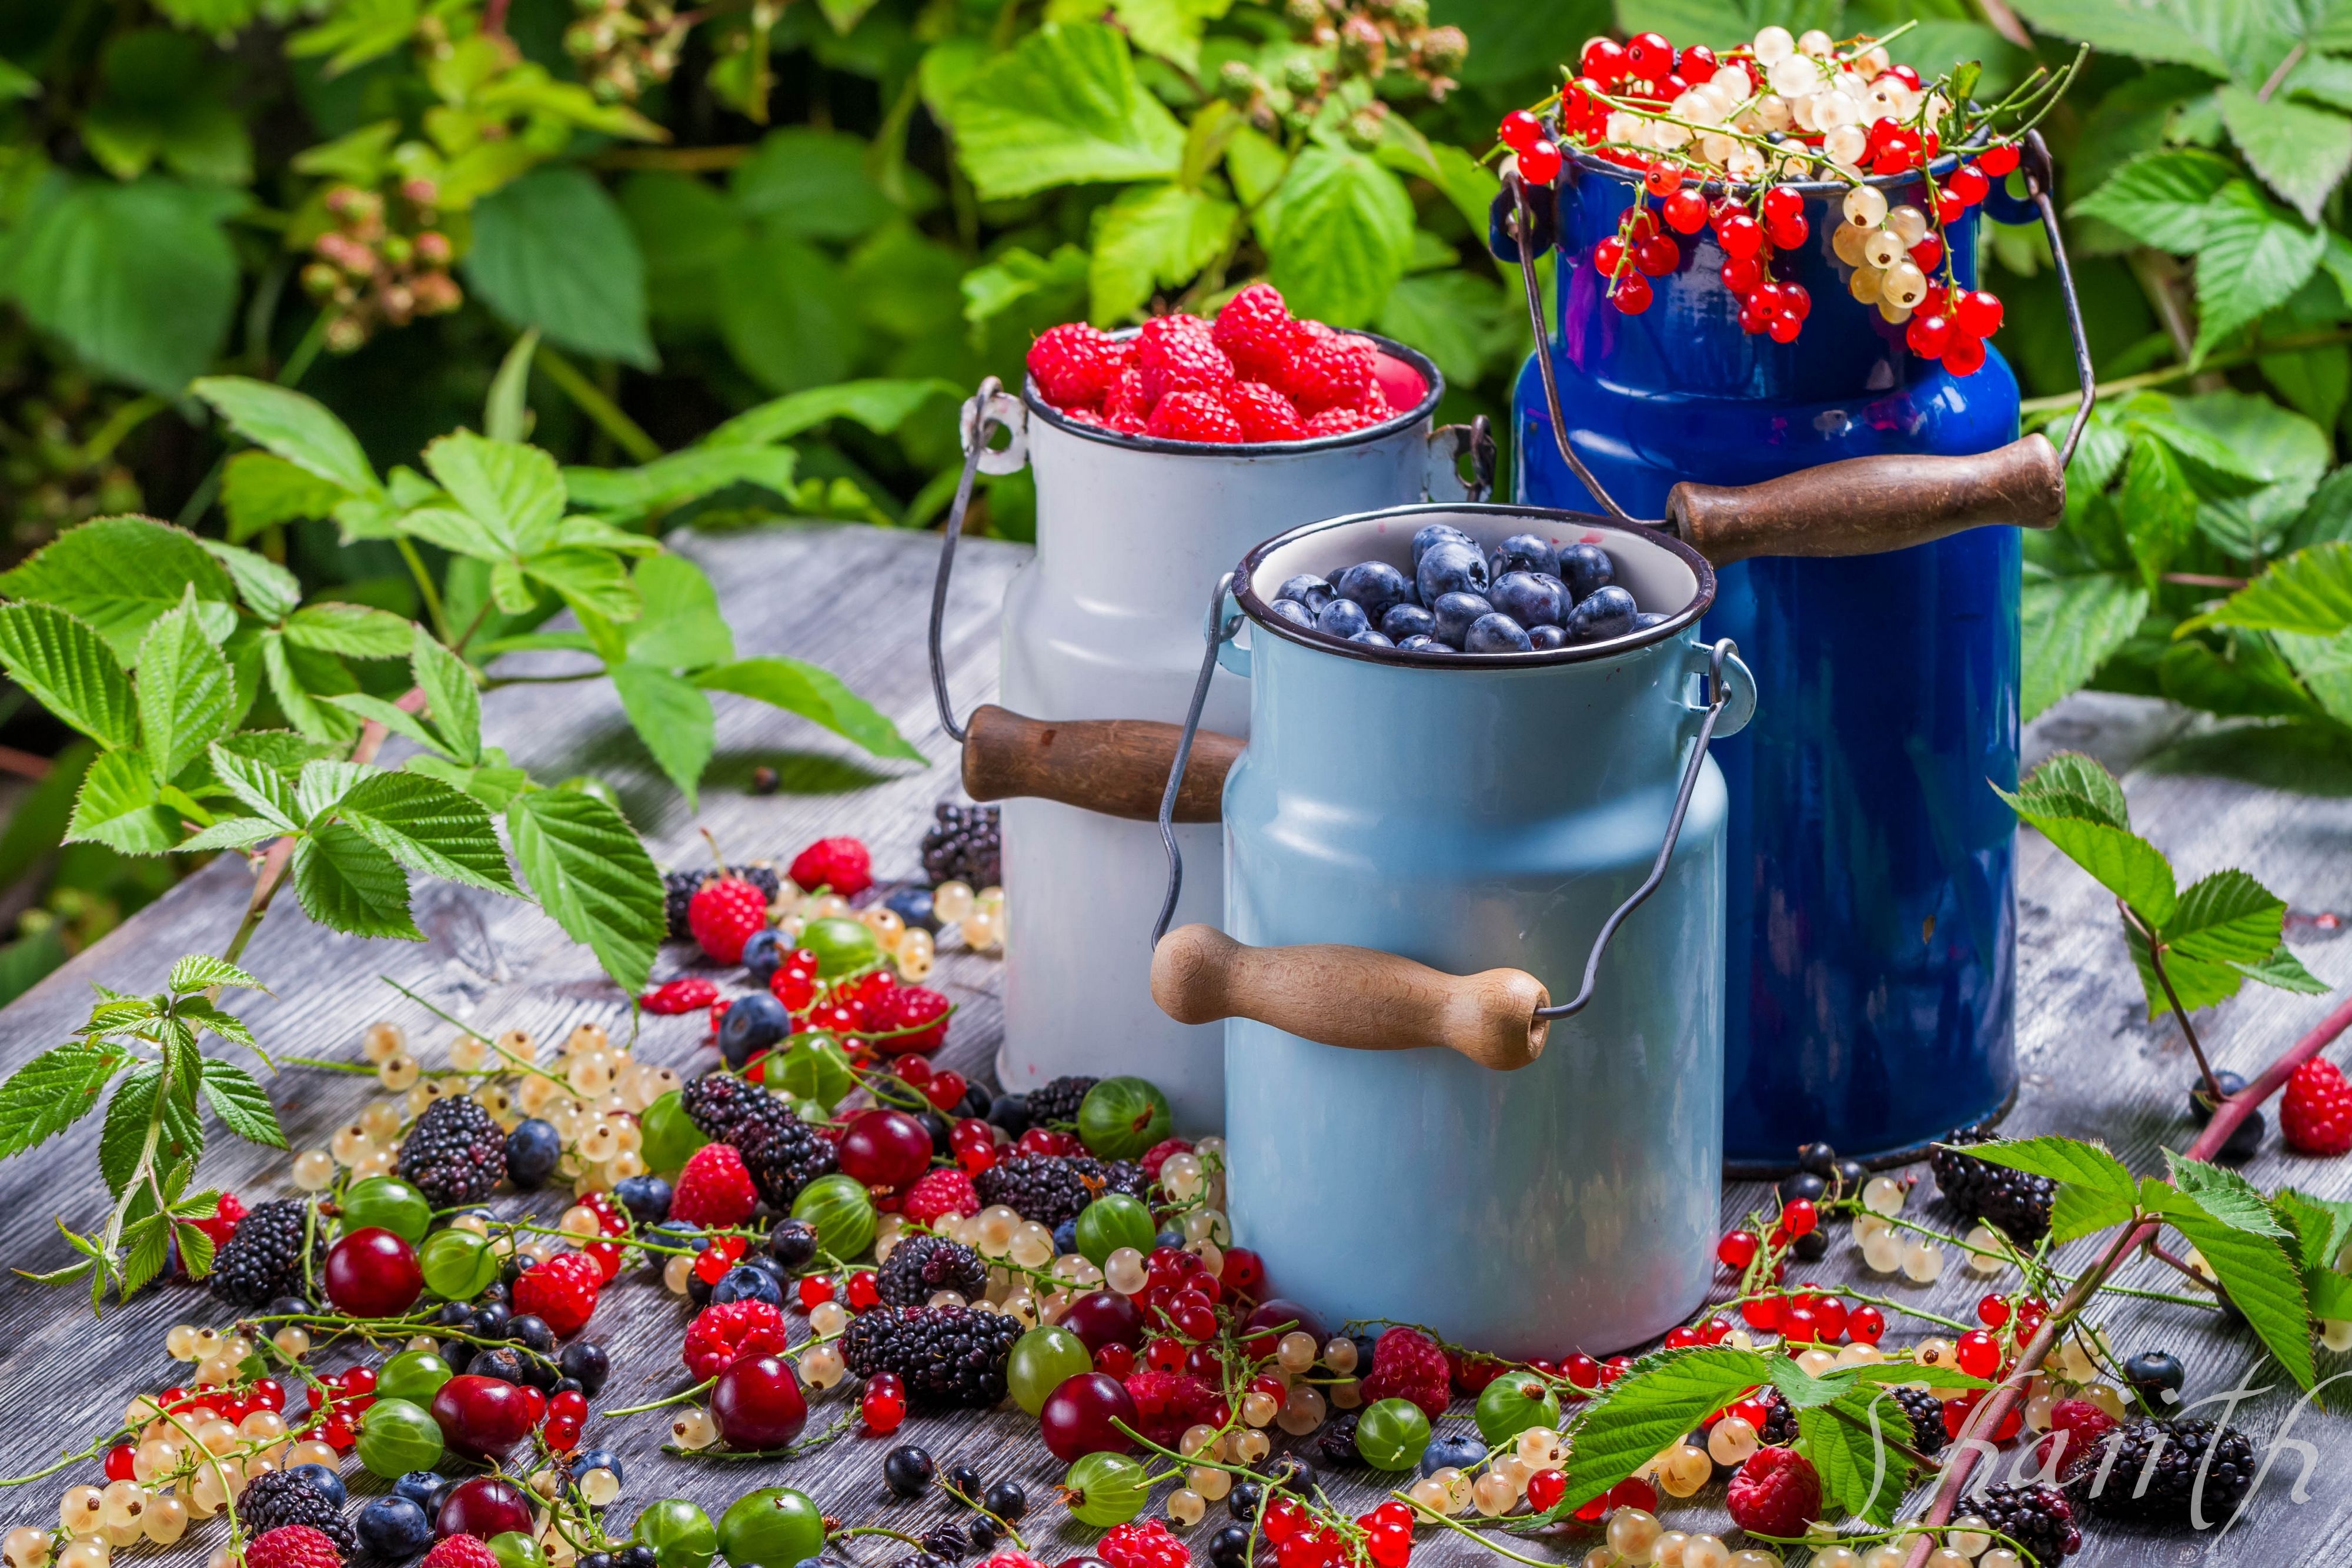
x=1995, y=1408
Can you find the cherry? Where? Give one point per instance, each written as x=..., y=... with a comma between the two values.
x=1633, y=293
x=1696, y=64
x=483, y=1507
x=756, y=1403
x=1998, y=160
x=1078, y=1416
x=1117, y=1360
x=1104, y=1317
x=1865, y=1326
x=1737, y=1250
x=373, y=1273
x=886, y=1148
x=884, y=1403
x=482, y=1416
x=1520, y=131
x=1540, y=164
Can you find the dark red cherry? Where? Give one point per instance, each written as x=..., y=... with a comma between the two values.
x=373, y=1273
x=886, y=1148
x=483, y=1507
x=482, y=1416
x=1078, y=1416
x=756, y=1403
x=1105, y=1317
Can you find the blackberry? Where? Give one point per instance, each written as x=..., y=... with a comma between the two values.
x=782, y=1153
x=264, y=1259
x=945, y=1355
x=678, y=886
x=1057, y=1101
x=276, y=1498
x=964, y=845
x=716, y=1102
x=1927, y=1415
x=2184, y=1447
x=2014, y=1202
x=922, y=1266
x=1050, y=1188
x=455, y=1155
x=2037, y=1518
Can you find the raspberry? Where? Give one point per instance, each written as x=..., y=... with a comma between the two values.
x=1175, y=354
x=1144, y=1542
x=1340, y=422
x=841, y=865
x=453, y=1552
x=2079, y=1425
x=679, y=996
x=1127, y=401
x=1008, y=1558
x=1255, y=331
x=1407, y=1365
x=561, y=1291
x=1193, y=416
x=1399, y=383
x=727, y=1330
x=1160, y=1153
x=299, y=1546
x=714, y=1188
x=1167, y=1403
x=1776, y=1492
x=722, y=914
x=1376, y=404
x=1330, y=369
x=1074, y=365
x=939, y=1193
x=1265, y=414
x=2316, y=1112
x=907, y=1007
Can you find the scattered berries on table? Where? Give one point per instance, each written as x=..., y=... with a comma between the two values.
x=2037, y=1518
x=264, y=1259
x=455, y=1154
x=964, y=843
x=781, y=1153
x=2017, y=1203
x=1050, y=1188
x=939, y=1193
x=714, y=1188
x=922, y=1266
x=2179, y=1447
x=457, y=1551
x=1776, y=1492
x=561, y=1291
x=276, y=1498
x=2315, y=1113
x=1407, y=1365
x=727, y=1330
x=291, y=1546
x=723, y=914
x=684, y=994
x=1055, y=1102
x=840, y=865
x=945, y=1355
x=1142, y=1544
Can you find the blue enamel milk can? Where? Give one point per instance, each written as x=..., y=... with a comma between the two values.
x=1870, y=987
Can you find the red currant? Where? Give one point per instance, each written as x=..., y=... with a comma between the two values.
x=884, y=1403
x=1781, y=204
x=359, y=1380
x=1795, y=300
x=1763, y=1312
x=1615, y=1367
x=1283, y=1520
x=1798, y=1324
x=1788, y=235
x=1906, y=76
x=1999, y=159
x=119, y=1462
x=1865, y=1326
x=1830, y=1313
x=1740, y=235
x=1657, y=256
x=1649, y=56
x=1977, y=1353
x=1546, y=1488
x=1634, y=1493
x=1389, y=1545
x=1976, y=313
x=1968, y=183
x=563, y=1436
x=1540, y=164
x=1168, y=1356
x=1716, y=1329
x=569, y=1406
x=1633, y=293
x=1696, y=64
x=1928, y=254
x=1520, y=131
x=1680, y=1337
x=1964, y=356
x=1949, y=208
x=1993, y=1311
x=1737, y=1250
x=1640, y=227
x=1928, y=335
x=1604, y=60
x=1686, y=212
x=2031, y=1311
x=1581, y=1370
x=815, y=1290
x=1801, y=1217
x=1661, y=179
x=1609, y=257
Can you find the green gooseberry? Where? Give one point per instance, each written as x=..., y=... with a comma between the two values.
x=775, y=1525
x=398, y=1436
x=814, y=1068
x=1513, y=1403
x=513, y=1549
x=1042, y=1361
x=680, y=1534
x=391, y=1203
x=1392, y=1434
x=841, y=945
x=1105, y=1489
x=670, y=1135
x=843, y=1212
x=415, y=1376
x=1121, y=1117
x=1112, y=1221
x=457, y=1263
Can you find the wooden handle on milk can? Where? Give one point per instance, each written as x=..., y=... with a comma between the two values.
x=1863, y=506
x=1354, y=998
x=1117, y=767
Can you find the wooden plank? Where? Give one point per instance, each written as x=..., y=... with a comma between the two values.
x=854, y=599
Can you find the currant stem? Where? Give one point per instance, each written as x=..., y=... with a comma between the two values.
x=678, y=1398
x=2155, y=962
x=1463, y=1529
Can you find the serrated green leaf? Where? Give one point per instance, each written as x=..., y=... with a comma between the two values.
x=195, y=1250
x=2309, y=593
x=2225, y=918
x=506, y=413
x=71, y=671
x=350, y=884
x=2300, y=151
x=592, y=580
x=682, y=627
x=629, y=494
x=2198, y=984
x=1860, y=1474
x=1062, y=108
x=589, y=873
x=2158, y=507
x=303, y=708
x=553, y=250
x=426, y=824
x=54, y=1091
x=2322, y=1225
x=815, y=694
x=138, y=279
x=353, y=630
x=1151, y=236
x=672, y=717
x=202, y=1016
x=1647, y=1410
x=1339, y=232
x=130, y=1118
x=262, y=786
x=515, y=492
x=268, y=589
x=2224, y=1193
x=2079, y=1211
x=119, y=574
x=881, y=406
x=2067, y=1160
x=262, y=490
x=2069, y=784
x=186, y=697
x=322, y=784
x=2123, y=863
x=2163, y=199
x=493, y=785
x=238, y=1099
x=455, y=532
x=119, y=806
x=202, y=972
x=2283, y=971
x=451, y=698
x=2253, y=255
x=146, y=1256
x=2265, y=1285
x=392, y=716
x=296, y=428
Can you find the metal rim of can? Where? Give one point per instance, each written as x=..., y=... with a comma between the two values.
x=1430, y=376
x=1262, y=616
x=1586, y=162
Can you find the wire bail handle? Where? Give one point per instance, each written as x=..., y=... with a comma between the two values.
x=987, y=410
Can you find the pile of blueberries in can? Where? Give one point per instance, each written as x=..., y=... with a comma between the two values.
x=1530, y=596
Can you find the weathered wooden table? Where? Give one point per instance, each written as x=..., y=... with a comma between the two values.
x=854, y=598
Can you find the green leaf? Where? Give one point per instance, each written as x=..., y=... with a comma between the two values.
x=1646, y=1410
x=2308, y=593
x=123, y=1141
x=1169, y=28
x=2225, y=1195
x=2283, y=971
x=2158, y=507
x=506, y=413
x=2088, y=1165
x=353, y=630
x=158, y=100
x=1459, y=320
x=230, y=833
x=262, y=490
x=494, y=785
x=241, y=1104
x=2225, y=918
x=553, y=251
x=54, y=1091
x=2079, y=1211
x=2300, y=151
x=2069, y=784
x=1513, y=42
x=589, y=873
x=293, y=683
x=1339, y=230
x=881, y=406
x=2191, y=34
x=1021, y=280
x=296, y=428
x=589, y=580
x=2263, y=1284
x=786, y=313
x=1860, y=1474
x=2198, y=984
x=263, y=787
x=323, y=784
x=426, y=824
x=672, y=717
x=120, y=573
x=629, y=494
x=451, y=698
x=515, y=492
x=1151, y=236
x=69, y=670
x=2123, y=863
x=2164, y=199
x=2321, y=1225
x=393, y=717
x=2253, y=257
x=815, y=694
x=202, y=971
x=268, y=589
x=811, y=183
x=1062, y=108
x=138, y=279
x=150, y=1249
x=186, y=699
x=682, y=627
x=121, y=806
x=350, y=884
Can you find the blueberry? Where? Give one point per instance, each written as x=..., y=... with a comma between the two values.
x=638, y=1555
x=913, y=906
x=588, y=1460
x=764, y=954
x=1497, y=633
x=1342, y=618
x=424, y=1488
x=646, y=1197
x=1297, y=614
x=1066, y=1238
x=1586, y=569
x=1456, y=1448
x=1434, y=534
x=2200, y=1106
x=1009, y=1112
x=1646, y=618
x=793, y=1242
x=2154, y=1373
x=1371, y=639
x=453, y=1314
x=1006, y=1500
x=1608, y=613
x=1374, y=584
x=754, y=1023
x=324, y=1481
x=597, y=1560
x=530, y=1331
x=1450, y=568
x=1423, y=643
x=2245, y=1142
x=1454, y=612
x=394, y=1528
x=1308, y=591
x=745, y=1283
x=1403, y=621
x=287, y=1307
x=1804, y=1185
x=532, y=1149
x=1169, y=1238
x=1530, y=598
x=1544, y=639
x=1525, y=552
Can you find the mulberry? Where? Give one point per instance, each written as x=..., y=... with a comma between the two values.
x=280, y=1498
x=1051, y=1188
x=455, y=1155
x=964, y=843
x=2017, y=1203
x=264, y=1259
x=945, y=1355
x=922, y=1266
